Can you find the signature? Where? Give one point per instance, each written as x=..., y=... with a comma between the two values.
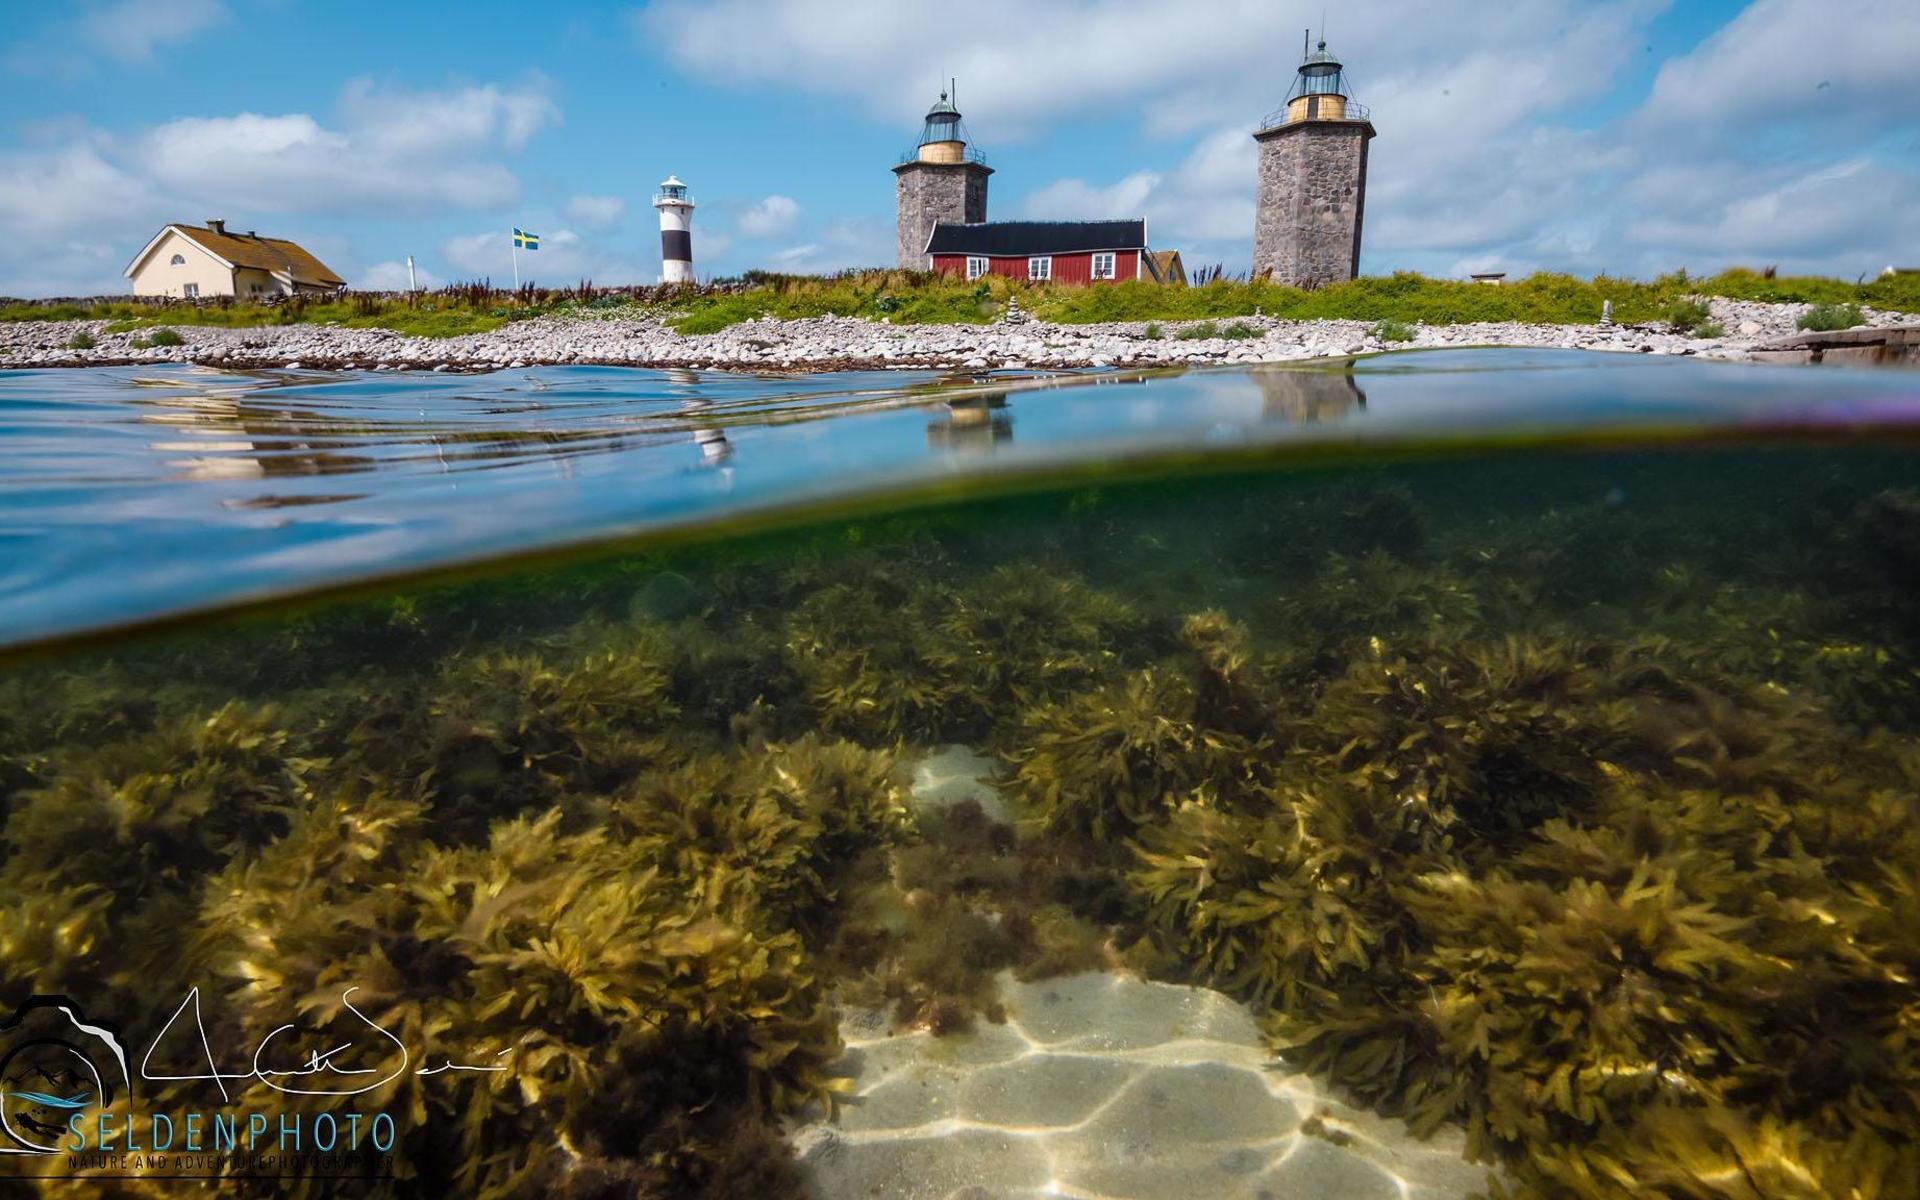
x=318, y=1068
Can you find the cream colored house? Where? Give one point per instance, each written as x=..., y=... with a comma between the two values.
x=192, y=261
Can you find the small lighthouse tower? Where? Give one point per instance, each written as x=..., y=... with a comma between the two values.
x=944, y=179
x=1313, y=179
x=676, y=231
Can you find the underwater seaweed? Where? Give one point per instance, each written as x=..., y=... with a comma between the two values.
x=1556, y=801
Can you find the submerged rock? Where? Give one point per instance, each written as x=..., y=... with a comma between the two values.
x=1103, y=1085
x=948, y=775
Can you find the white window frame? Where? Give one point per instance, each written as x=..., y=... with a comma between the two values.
x=178, y=260
x=977, y=266
x=1040, y=268
x=1112, y=270
x=190, y=291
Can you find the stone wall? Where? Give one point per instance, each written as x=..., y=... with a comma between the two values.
x=930, y=192
x=1312, y=196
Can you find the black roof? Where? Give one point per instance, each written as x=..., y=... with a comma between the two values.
x=1036, y=237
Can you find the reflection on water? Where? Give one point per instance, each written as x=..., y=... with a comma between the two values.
x=125, y=492
x=971, y=423
x=1309, y=397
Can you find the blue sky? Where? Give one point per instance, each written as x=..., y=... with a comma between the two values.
x=1627, y=136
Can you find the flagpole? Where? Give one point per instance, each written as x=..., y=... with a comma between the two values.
x=513, y=244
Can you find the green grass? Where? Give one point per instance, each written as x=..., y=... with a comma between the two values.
x=920, y=297
x=1152, y=331
x=1391, y=331
x=82, y=341
x=1823, y=318
x=902, y=297
x=1205, y=329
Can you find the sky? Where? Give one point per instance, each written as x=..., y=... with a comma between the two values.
x=1629, y=137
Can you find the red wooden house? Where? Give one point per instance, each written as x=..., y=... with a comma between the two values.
x=1043, y=251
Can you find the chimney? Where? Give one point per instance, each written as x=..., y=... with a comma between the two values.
x=217, y=226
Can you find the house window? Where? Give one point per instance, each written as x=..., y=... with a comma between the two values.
x=1103, y=266
x=178, y=260
x=190, y=290
x=1040, y=268
x=976, y=266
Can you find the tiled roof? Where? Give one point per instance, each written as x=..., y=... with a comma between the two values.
x=1036, y=237
x=264, y=253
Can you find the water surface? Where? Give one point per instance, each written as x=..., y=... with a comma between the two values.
x=126, y=493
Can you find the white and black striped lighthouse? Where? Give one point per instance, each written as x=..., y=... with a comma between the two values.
x=676, y=231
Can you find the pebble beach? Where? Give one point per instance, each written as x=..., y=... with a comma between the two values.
x=854, y=343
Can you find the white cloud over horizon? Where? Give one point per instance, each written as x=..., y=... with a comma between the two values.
x=383, y=151
x=1534, y=134
x=770, y=217
x=598, y=213
x=1785, y=137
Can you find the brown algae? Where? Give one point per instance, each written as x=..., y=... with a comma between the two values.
x=1570, y=800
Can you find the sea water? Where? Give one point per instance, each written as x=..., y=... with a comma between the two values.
x=1467, y=772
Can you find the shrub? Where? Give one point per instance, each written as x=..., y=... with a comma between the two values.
x=1205, y=329
x=1152, y=331
x=1711, y=329
x=1239, y=331
x=82, y=341
x=1687, y=316
x=1391, y=331
x=164, y=337
x=1822, y=318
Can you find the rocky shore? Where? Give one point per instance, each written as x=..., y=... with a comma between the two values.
x=847, y=343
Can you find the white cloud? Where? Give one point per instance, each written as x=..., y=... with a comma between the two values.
x=400, y=122
x=391, y=276
x=770, y=217
x=599, y=213
x=564, y=258
x=1022, y=64
x=1796, y=61
x=130, y=30
x=383, y=152
x=112, y=34
x=841, y=244
x=1487, y=151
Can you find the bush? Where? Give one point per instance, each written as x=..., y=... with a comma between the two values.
x=1152, y=331
x=82, y=341
x=1823, y=318
x=1391, y=331
x=1687, y=316
x=1205, y=329
x=1239, y=331
x=164, y=337
x=1712, y=329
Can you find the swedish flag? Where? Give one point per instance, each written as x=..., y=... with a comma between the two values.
x=526, y=241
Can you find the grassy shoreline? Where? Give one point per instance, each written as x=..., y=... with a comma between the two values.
x=919, y=298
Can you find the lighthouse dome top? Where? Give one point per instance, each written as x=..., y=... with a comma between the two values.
x=943, y=139
x=1320, y=63
x=672, y=191
x=1320, y=92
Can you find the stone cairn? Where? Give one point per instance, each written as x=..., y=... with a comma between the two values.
x=1014, y=314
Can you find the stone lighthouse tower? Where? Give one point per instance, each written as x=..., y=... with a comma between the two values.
x=1313, y=180
x=676, y=231
x=944, y=180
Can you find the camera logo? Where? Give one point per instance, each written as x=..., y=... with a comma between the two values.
x=55, y=1064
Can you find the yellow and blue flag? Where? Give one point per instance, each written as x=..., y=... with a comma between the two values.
x=526, y=241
